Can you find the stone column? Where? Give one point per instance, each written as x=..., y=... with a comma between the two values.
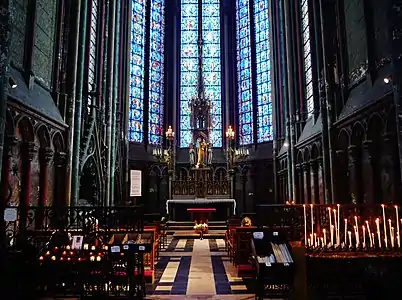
x=300, y=200
x=353, y=173
x=46, y=156
x=306, y=181
x=313, y=181
x=320, y=181
x=368, y=174
x=59, y=199
x=388, y=170
x=9, y=145
x=341, y=178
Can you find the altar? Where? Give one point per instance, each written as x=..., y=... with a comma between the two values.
x=177, y=208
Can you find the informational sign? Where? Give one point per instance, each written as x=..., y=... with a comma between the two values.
x=135, y=183
x=77, y=242
x=10, y=214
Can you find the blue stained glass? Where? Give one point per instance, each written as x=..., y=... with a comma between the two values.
x=308, y=77
x=211, y=63
x=263, y=68
x=156, y=72
x=136, y=96
x=245, y=125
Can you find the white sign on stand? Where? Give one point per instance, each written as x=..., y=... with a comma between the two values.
x=135, y=183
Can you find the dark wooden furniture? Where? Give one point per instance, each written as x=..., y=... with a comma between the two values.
x=200, y=213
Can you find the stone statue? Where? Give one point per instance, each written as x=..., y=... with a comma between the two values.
x=209, y=156
x=202, y=147
x=192, y=154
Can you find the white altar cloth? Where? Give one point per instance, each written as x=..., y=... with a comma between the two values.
x=201, y=201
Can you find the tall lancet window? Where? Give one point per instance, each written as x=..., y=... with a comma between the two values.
x=93, y=32
x=156, y=72
x=245, y=98
x=307, y=58
x=136, y=110
x=263, y=71
x=210, y=22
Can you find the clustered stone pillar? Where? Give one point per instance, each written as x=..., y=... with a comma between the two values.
x=368, y=173
x=320, y=180
x=353, y=175
x=306, y=180
x=10, y=143
x=46, y=156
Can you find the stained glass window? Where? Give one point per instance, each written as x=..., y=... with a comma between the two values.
x=245, y=99
x=263, y=65
x=136, y=111
x=156, y=72
x=92, y=50
x=211, y=65
x=307, y=58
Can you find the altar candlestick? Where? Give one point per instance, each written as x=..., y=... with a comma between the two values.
x=369, y=234
x=312, y=219
x=350, y=238
x=364, y=236
x=346, y=228
x=397, y=226
x=385, y=225
x=339, y=225
x=305, y=223
x=336, y=227
x=325, y=237
x=377, y=222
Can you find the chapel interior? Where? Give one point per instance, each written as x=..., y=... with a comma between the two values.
x=201, y=149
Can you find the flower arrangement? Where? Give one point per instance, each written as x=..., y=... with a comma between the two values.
x=201, y=226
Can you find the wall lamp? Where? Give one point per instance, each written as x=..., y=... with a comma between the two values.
x=387, y=79
x=12, y=83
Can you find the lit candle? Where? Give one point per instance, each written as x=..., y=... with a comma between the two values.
x=330, y=226
x=385, y=225
x=357, y=232
x=346, y=228
x=356, y=236
x=325, y=236
x=369, y=234
x=332, y=230
x=336, y=226
x=364, y=236
x=373, y=238
x=312, y=220
x=86, y=246
x=305, y=223
x=397, y=226
x=315, y=240
x=339, y=226
x=350, y=238
x=312, y=239
x=392, y=237
x=377, y=222
x=322, y=242
x=390, y=232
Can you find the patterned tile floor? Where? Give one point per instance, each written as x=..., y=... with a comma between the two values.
x=197, y=269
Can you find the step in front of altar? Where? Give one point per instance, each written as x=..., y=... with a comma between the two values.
x=189, y=225
x=191, y=234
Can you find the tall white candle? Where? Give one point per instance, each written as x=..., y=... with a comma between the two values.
x=377, y=222
x=330, y=226
x=356, y=235
x=325, y=237
x=312, y=220
x=315, y=240
x=364, y=236
x=369, y=234
x=385, y=225
x=350, y=238
x=392, y=237
x=339, y=225
x=373, y=238
x=357, y=232
x=305, y=224
x=397, y=225
x=346, y=229
x=336, y=226
x=390, y=231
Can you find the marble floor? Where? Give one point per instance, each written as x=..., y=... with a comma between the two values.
x=197, y=269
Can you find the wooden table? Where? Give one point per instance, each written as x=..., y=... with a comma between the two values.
x=200, y=213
